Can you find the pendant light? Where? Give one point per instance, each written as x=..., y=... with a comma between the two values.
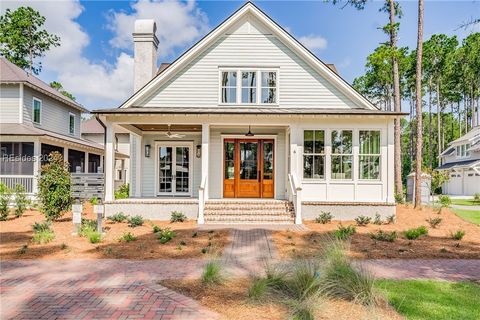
x=249, y=133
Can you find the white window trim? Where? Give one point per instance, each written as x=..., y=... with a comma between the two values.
x=324, y=155
x=342, y=154
x=33, y=110
x=238, y=98
x=74, y=126
x=370, y=154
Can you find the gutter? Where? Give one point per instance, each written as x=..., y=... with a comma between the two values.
x=97, y=117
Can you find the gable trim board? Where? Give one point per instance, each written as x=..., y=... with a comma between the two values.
x=278, y=31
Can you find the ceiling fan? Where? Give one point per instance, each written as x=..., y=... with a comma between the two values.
x=171, y=135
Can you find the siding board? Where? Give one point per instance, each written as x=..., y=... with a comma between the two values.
x=9, y=103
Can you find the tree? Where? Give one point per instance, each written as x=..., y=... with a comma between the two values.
x=23, y=39
x=58, y=86
x=418, y=86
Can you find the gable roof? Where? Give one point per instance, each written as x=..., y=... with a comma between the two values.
x=11, y=73
x=249, y=8
x=469, y=137
x=91, y=126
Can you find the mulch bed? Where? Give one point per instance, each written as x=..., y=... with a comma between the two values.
x=436, y=245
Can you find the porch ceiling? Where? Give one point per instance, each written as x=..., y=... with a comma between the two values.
x=173, y=127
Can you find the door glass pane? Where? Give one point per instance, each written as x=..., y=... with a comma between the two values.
x=268, y=160
x=165, y=169
x=182, y=169
x=229, y=160
x=248, y=160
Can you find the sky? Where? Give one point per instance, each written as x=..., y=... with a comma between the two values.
x=95, y=59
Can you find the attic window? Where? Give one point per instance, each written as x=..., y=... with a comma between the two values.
x=248, y=86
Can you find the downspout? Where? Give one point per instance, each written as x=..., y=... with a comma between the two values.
x=104, y=150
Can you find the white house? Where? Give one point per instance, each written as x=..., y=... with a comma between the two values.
x=462, y=161
x=248, y=126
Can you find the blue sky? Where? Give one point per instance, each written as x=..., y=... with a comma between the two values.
x=95, y=59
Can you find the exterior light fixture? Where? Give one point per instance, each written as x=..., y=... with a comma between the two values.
x=249, y=133
x=147, y=151
x=198, y=151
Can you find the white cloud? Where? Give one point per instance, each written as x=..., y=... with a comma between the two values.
x=107, y=84
x=313, y=42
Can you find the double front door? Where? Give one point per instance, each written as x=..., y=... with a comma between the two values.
x=248, y=168
x=174, y=169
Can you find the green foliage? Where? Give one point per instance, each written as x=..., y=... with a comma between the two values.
x=21, y=200
x=363, y=220
x=127, y=237
x=434, y=222
x=381, y=235
x=5, y=197
x=415, y=233
x=41, y=226
x=457, y=235
x=94, y=201
x=123, y=191
x=377, y=220
x=118, y=217
x=438, y=179
x=390, y=219
x=344, y=233
x=135, y=221
x=23, y=249
x=324, y=218
x=156, y=228
x=94, y=236
x=258, y=288
x=58, y=86
x=23, y=37
x=42, y=232
x=88, y=229
x=399, y=198
x=54, y=187
x=445, y=201
x=212, y=273
x=178, y=217
x=165, y=235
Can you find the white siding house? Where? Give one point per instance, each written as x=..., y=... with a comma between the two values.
x=245, y=124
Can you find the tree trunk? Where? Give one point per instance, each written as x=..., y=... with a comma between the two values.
x=412, y=129
x=430, y=140
x=418, y=87
x=439, y=121
x=459, y=120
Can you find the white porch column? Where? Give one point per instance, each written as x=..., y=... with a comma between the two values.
x=390, y=162
x=65, y=154
x=135, y=164
x=203, y=192
x=296, y=170
x=87, y=156
x=36, y=165
x=109, y=161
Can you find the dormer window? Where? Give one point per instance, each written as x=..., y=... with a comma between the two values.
x=248, y=86
x=462, y=150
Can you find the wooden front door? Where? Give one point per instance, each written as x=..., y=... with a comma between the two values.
x=248, y=168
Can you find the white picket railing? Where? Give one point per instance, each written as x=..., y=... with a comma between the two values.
x=295, y=196
x=12, y=180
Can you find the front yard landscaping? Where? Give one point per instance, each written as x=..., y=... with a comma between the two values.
x=472, y=216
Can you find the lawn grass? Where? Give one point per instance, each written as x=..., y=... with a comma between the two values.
x=465, y=202
x=428, y=299
x=472, y=216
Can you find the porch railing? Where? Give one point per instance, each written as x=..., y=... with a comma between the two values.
x=12, y=180
x=201, y=201
x=295, y=196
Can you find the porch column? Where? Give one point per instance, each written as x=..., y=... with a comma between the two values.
x=391, y=162
x=135, y=164
x=203, y=192
x=109, y=161
x=36, y=165
x=87, y=156
x=296, y=170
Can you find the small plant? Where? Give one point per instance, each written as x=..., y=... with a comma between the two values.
x=123, y=192
x=443, y=250
x=127, y=237
x=390, y=219
x=212, y=273
x=165, y=235
x=94, y=201
x=87, y=227
x=41, y=226
x=94, y=237
x=135, y=221
x=378, y=219
x=415, y=233
x=343, y=233
x=362, y=220
x=178, y=217
x=384, y=236
x=63, y=246
x=183, y=243
x=399, y=198
x=324, y=218
x=156, y=228
x=195, y=234
x=23, y=249
x=42, y=233
x=5, y=197
x=457, y=235
x=118, y=217
x=434, y=222
x=258, y=288
x=445, y=201
x=108, y=251
x=476, y=197
x=204, y=250
x=21, y=200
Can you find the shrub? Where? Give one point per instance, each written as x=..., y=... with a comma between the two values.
x=258, y=288
x=445, y=201
x=457, y=235
x=123, y=192
x=377, y=220
x=399, y=198
x=362, y=220
x=390, y=219
x=5, y=197
x=94, y=236
x=434, y=222
x=212, y=273
x=178, y=217
x=21, y=200
x=165, y=235
x=54, y=187
x=384, y=236
x=303, y=309
x=41, y=226
x=204, y=250
x=324, y=217
x=118, y=217
x=127, y=237
x=42, y=232
x=63, y=246
x=343, y=233
x=23, y=249
x=476, y=197
x=415, y=233
x=135, y=221
x=94, y=201
x=156, y=228
x=87, y=227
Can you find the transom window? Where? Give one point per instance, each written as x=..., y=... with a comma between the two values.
x=71, y=123
x=313, y=154
x=37, y=110
x=369, y=155
x=249, y=87
x=342, y=156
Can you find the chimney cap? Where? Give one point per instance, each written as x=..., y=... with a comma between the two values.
x=145, y=26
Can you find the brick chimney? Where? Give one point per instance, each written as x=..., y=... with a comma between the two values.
x=145, y=52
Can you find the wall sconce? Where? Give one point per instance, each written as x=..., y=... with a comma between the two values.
x=198, y=151
x=147, y=151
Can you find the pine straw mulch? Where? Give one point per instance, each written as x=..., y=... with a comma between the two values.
x=230, y=301
x=17, y=232
x=436, y=245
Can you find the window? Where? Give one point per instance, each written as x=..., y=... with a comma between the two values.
x=37, y=110
x=314, y=154
x=229, y=87
x=462, y=150
x=71, y=123
x=342, y=154
x=269, y=87
x=16, y=158
x=249, y=87
x=369, y=164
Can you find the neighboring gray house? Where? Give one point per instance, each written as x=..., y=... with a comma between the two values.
x=462, y=161
x=35, y=120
